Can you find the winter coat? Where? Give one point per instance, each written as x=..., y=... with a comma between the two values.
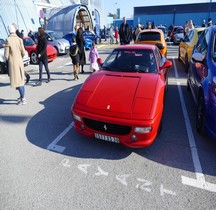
x=42, y=47
x=93, y=55
x=14, y=53
x=124, y=33
x=81, y=44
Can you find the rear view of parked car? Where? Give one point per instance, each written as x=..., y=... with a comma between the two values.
x=70, y=35
x=202, y=81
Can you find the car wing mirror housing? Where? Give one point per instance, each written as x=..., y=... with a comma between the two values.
x=167, y=64
x=160, y=46
x=197, y=57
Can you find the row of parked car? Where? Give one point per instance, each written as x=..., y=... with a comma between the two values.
x=56, y=45
x=197, y=51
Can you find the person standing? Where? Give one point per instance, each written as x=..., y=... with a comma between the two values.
x=111, y=34
x=117, y=34
x=81, y=44
x=93, y=57
x=74, y=54
x=124, y=33
x=20, y=35
x=42, y=55
x=14, y=53
x=30, y=34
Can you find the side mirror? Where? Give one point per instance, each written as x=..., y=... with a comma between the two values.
x=160, y=46
x=49, y=39
x=167, y=64
x=197, y=57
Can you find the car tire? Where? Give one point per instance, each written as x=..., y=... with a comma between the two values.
x=3, y=68
x=33, y=58
x=57, y=51
x=200, y=114
x=186, y=63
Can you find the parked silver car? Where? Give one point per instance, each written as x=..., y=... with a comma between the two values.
x=61, y=45
x=178, y=36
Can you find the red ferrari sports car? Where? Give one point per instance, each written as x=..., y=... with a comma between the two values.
x=30, y=47
x=123, y=102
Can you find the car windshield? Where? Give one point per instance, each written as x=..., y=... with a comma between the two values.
x=131, y=60
x=149, y=36
x=28, y=42
x=180, y=30
x=54, y=35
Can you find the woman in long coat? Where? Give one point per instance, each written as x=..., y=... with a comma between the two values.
x=14, y=53
x=81, y=44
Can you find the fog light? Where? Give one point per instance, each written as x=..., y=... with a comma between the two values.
x=142, y=129
x=77, y=117
x=133, y=138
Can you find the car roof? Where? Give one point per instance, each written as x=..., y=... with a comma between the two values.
x=137, y=47
x=151, y=30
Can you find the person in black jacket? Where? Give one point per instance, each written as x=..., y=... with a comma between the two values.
x=74, y=54
x=124, y=33
x=20, y=35
x=81, y=44
x=42, y=55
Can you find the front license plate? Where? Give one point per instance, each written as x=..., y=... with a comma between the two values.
x=107, y=138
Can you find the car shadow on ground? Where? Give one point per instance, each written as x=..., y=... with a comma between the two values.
x=170, y=148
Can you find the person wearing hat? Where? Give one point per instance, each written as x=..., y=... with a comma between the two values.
x=14, y=53
x=20, y=35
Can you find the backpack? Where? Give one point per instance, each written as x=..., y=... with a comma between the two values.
x=74, y=49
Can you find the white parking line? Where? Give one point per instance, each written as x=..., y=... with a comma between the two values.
x=199, y=182
x=53, y=146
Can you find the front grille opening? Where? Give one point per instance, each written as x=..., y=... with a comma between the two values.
x=107, y=127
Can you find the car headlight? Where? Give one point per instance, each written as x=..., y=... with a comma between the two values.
x=77, y=117
x=142, y=129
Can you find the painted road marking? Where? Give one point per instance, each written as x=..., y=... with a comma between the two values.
x=199, y=182
x=143, y=184
x=53, y=146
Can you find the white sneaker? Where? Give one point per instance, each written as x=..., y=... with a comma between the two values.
x=21, y=101
x=24, y=101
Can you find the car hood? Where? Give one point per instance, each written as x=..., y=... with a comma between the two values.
x=63, y=41
x=118, y=94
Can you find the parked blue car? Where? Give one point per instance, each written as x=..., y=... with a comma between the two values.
x=202, y=81
x=70, y=35
x=91, y=35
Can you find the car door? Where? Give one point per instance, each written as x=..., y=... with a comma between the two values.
x=199, y=69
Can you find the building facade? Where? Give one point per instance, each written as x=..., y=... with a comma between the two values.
x=175, y=14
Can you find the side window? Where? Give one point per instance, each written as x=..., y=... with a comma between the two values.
x=159, y=59
x=204, y=43
x=199, y=42
x=191, y=35
x=214, y=47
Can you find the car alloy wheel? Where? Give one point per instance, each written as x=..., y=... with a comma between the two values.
x=3, y=68
x=200, y=115
x=33, y=58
